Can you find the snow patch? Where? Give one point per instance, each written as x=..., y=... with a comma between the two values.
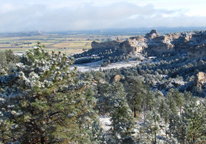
x=105, y=123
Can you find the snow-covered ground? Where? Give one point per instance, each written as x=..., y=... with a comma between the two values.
x=95, y=66
x=18, y=53
x=106, y=124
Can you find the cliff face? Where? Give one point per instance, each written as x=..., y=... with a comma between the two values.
x=131, y=46
x=192, y=42
x=200, y=79
x=161, y=44
x=110, y=44
x=197, y=52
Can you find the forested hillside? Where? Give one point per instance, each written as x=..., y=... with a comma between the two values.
x=43, y=100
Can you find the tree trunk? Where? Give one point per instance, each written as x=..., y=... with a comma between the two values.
x=2, y=132
x=180, y=110
x=43, y=138
x=155, y=138
x=135, y=112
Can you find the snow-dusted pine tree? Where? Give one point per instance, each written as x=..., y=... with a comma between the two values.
x=191, y=125
x=136, y=95
x=153, y=129
x=42, y=100
x=121, y=114
x=171, y=102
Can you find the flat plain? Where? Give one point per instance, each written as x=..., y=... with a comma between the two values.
x=54, y=42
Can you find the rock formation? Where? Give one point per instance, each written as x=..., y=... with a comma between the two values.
x=194, y=43
x=197, y=52
x=116, y=78
x=131, y=46
x=152, y=34
x=200, y=78
x=110, y=44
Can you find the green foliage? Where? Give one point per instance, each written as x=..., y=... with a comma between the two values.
x=97, y=136
x=152, y=126
x=190, y=127
x=8, y=59
x=135, y=95
x=3, y=61
x=42, y=101
x=171, y=102
x=139, y=96
x=121, y=114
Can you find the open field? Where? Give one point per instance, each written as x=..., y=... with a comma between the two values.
x=66, y=43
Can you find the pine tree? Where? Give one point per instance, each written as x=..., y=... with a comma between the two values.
x=187, y=96
x=11, y=57
x=179, y=99
x=164, y=111
x=148, y=101
x=42, y=100
x=103, y=97
x=3, y=61
x=171, y=102
x=190, y=126
x=136, y=95
x=178, y=128
x=195, y=116
x=121, y=114
x=152, y=127
x=97, y=136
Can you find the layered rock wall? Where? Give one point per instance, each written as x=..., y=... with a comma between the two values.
x=192, y=42
x=110, y=44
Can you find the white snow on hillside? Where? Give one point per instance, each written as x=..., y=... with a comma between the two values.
x=105, y=123
x=95, y=66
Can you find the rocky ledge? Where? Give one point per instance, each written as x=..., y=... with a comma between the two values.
x=194, y=43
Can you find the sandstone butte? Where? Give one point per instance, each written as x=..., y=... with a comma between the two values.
x=194, y=43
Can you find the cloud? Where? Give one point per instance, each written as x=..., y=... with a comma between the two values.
x=87, y=16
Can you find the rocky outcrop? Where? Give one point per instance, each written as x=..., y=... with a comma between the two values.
x=200, y=78
x=162, y=47
x=201, y=63
x=152, y=34
x=194, y=43
x=116, y=78
x=197, y=52
x=140, y=38
x=131, y=46
x=110, y=44
x=161, y=44
x=198, y=38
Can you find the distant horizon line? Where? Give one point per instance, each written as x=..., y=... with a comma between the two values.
x=108, y=29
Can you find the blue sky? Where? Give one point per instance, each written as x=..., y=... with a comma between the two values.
x=60, y=15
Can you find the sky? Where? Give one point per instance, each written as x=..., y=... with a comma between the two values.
x=63, y=15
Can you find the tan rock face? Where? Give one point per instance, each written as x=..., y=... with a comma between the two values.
x=140, y=38
x=116, y=78
x=161, y=44
x=163, y=47
x=137, y=44
x=193, y=43
x=126, y=46
x=130, y=46
x=201, y=78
